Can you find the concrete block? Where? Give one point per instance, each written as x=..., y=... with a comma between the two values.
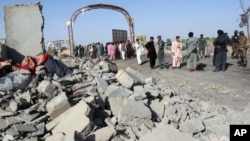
x=24, y=30
x=139, y=77
x=134, y=113
x=27, y=117
x=12, y=120
x=192, y=126
x=40, y=130
x=8, y=137
x=24, y=128
x=165, y=132
x=151, y=81
x=103, y=134
x=78, y=118
x=58, y=105
x=12, y=132
x=102, y=84
x=125, y=79
x=46, y=88
x=4, y=113
x=56, y=137
x=116, y=99
x=139, y=90
x=3, y=124
x=158, y=109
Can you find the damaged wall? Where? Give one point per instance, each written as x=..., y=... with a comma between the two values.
x=24, y=30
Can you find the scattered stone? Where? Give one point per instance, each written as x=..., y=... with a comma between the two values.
x=103, y=134
x=102, y=84
x=170, y=133
x=24, y=128
x=135, y=117
x=3, y=125
x=192, y=126
x=57, y=105
x=78, y=118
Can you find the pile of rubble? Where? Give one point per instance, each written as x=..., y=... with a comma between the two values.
x=99, y=102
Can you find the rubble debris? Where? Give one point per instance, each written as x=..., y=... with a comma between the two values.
x=94, y=103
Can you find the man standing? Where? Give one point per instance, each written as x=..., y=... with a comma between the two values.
x=98, y=48
x=176, y=52
x=220, y=43
x=235, y=45
x=139, y=49
x=191, y=56
x=202, y=45
x=151, y=52
x=161, y=57
x=243, y=49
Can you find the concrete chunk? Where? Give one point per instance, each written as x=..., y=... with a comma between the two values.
x=139, y=77
x=166, y=132
x=102, y=84
x=46, y=88
x=116, y=99
x=158, y=109
x=74, y=119
x=134, y=113
x=192, y=126
x=103, y=134
x=4, y=113
x=58, y=105
x=25, y=128
x=3, y=124
x=125, y=79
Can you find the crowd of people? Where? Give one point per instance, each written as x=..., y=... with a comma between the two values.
x=194, y=50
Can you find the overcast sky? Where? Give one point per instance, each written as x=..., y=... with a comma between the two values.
x=167, y=18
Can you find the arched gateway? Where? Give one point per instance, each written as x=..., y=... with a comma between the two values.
x=70, y=23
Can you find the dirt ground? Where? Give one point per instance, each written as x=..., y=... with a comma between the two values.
x=230, y=88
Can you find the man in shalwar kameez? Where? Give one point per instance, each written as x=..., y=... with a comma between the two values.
x=176, y=53
x=191, y=56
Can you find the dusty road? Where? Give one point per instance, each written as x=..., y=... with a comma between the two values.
x=230, y=88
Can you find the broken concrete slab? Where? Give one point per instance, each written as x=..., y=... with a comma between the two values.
x=4, y=113
x=40, y=130
x=78, y=118
x=102, y=84
x=24, y=128
x=126, y=79
x=131, y=116
x=139, y=77
x=116, y=99
x=58, y=105
x=19, y=28
x=158, y=109
x=12, y=120
x=3, y=124
x=56, y=137
x=46, y=87
x=103, y=134
x=192, y=126
x=170, y=133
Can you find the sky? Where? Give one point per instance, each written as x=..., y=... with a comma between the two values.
x=167, y=18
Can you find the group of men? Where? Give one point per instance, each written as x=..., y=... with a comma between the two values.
x=195, y=49
x=239, y=47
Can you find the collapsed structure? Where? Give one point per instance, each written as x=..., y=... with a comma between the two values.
x=101, y=102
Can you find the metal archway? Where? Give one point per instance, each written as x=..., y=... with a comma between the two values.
x=70, y=23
